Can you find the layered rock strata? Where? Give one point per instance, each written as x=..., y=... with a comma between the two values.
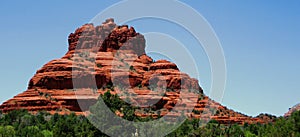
x=112, y=58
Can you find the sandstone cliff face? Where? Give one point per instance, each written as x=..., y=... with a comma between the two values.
x=111, y=57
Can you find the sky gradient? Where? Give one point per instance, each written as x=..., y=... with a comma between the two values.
x=260, y=42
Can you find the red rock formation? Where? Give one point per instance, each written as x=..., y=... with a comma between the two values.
x=291, y=110
x=111, y=57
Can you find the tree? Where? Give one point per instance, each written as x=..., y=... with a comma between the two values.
x=235, y=131
x=7, y=131
x=32, y=131
x=27, y=120
x=249, y=134
x=47, y=133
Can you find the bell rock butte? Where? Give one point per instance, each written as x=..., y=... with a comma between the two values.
x=112, y=58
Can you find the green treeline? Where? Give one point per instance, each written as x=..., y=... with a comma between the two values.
x=20, y=123
x=282, y=127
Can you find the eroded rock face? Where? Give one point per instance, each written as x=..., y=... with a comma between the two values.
x=111, y=57
x=107, y=37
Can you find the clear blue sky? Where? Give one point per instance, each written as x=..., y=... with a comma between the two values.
x=260, y=41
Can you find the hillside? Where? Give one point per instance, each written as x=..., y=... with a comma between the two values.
x=112, y=58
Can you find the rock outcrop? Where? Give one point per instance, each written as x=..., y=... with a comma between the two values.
x=112, y=57
x=291, y=110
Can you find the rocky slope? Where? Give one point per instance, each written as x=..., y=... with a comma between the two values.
x=291, y=110
x=111, y=57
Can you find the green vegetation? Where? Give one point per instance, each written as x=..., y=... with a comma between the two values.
x=171, y=89
x=20, y=123
x=46, y=95
x=139, y=86
x=132, y=69
x=282, y=127
x=84, y=54
x=115, y=104
x=99, y=66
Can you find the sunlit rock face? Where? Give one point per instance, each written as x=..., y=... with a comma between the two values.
x=112, y=57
